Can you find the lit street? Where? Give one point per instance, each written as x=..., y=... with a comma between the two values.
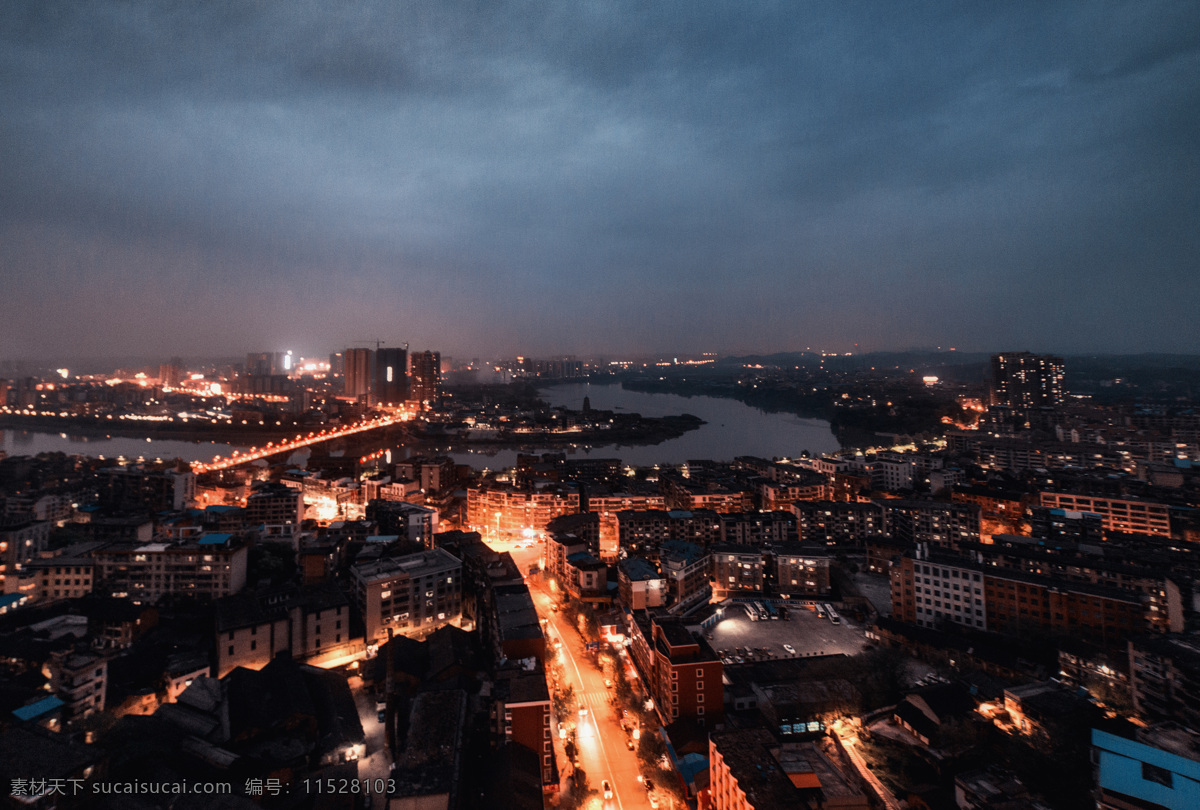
x=600, y=739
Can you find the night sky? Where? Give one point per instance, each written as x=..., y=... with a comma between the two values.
x=598, y=177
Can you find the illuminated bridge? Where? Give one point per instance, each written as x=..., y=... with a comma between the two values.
x=273, y=448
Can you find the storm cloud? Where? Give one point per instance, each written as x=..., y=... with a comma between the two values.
x=487, y=178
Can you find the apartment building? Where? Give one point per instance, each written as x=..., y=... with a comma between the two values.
x=735, y=570
x=1130, y=515
x=209, y=567
x=681, y=671
x=411, y=595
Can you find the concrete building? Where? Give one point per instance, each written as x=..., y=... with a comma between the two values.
x=209, y=567
x=412, y=595
x=1025, y=380
x=758, y=528
x=273, y=505
x=1131, y=515
x=1164, y=677
x=735, y=570
x=586, y=577
x=61, y=577
x=79, y=678
x=1136, y=775
x=938, y=523
x=837, y=522
x=686, y=568
x=640, y=585
x=359, y=367
x=680, y=670
x=749, y=770
x=426, y=381
x=391, y=376
x=310, y=624
x=799, y=572
x=20, y=541
x=506, y=510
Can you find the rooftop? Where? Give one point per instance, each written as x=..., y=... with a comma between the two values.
x=423, y=563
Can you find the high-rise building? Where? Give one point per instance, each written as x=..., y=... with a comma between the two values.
x=391, y=376
x=1025, y=380
x=262, y=364
x=426, y=376
x=359, y=368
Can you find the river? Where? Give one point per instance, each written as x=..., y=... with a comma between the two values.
x=30, y=443
x=731, y=429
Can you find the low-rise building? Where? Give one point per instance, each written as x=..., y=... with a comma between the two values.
x=680, y=670
x=735, y=570
x=309, y=623
x=586, y=577
x=412, y=595
x=209, y=567
x=78, y=677
x=1132, y=515
x=1140, y=775
x=749, y=770
x=61, y=577
x=640, y=585
x=685, y=566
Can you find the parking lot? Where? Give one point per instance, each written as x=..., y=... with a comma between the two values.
x=808, y=634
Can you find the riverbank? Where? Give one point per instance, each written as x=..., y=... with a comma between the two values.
x=94, y=428
x=625, y=429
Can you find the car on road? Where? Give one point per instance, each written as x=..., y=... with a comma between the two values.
x=629, y=743
x=649, y=785
x=789, y=649
x=607, y=683
x=653, y=802
x=583, y=712
x=607, y=789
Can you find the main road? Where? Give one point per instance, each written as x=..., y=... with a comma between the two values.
x=599, y=738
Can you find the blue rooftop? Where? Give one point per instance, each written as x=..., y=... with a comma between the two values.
x=221, y=509
x=47, y=705
x=215, y=540
x=8, y=600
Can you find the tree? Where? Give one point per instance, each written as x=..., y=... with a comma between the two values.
x=564, y=702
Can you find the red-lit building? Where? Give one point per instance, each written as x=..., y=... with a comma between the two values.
x=681, y=671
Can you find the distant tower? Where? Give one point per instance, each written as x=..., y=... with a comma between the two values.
x=1025, y=380
x=391, y=376
x=358, y=366
x=587, y=405
x=426, y=376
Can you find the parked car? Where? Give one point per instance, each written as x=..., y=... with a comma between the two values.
x=789, y=649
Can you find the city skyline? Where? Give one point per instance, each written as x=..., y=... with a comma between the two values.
x=616, y=180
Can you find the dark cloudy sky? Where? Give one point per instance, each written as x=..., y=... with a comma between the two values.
x=504, y=177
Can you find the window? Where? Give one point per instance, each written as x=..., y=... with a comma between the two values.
x=231, y=649
x=253, y=645
x=1153, y=773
